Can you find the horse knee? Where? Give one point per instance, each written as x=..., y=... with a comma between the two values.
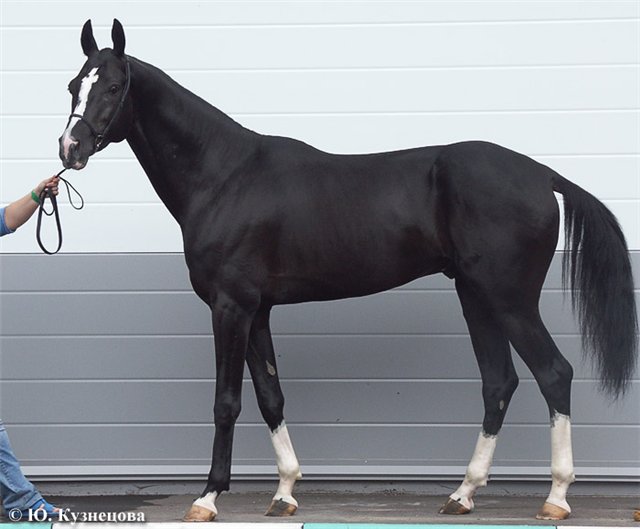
x=226, y=412
x=562, y=472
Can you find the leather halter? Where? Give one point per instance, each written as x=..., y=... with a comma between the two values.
x=99, y=136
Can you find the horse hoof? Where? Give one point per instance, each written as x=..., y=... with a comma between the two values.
x=453, y=507
x=199, y=514
x=550, y=511
x=636, y=515
x=281, y=508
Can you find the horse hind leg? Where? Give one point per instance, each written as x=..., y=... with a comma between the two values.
x=262, y=365
x=499, y=381
x=553, y=373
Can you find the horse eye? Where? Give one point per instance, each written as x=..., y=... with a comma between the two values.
x=114, y=89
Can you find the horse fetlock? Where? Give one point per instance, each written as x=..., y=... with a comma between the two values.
x=285, y=490
x=563, y=474
x=477, y=475
x=289, y=472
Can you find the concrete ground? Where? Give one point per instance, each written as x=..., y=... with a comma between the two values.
x=372, y=507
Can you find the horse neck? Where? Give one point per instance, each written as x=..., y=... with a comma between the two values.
x=182, y=142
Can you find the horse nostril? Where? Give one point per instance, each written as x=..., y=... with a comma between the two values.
x=72, y=151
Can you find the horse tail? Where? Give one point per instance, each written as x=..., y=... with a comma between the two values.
x=597, y=270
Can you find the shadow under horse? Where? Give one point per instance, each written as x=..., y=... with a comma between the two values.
x=270, y=220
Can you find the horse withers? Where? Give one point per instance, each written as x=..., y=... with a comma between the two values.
x=271, y=220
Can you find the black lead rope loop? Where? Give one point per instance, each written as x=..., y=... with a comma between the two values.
x=69, y=187
x=47, y=194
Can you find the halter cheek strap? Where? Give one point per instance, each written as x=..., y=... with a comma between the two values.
x=99, y=136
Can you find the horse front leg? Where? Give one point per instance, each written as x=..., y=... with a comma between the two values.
x=262, y=365
x=231, y=325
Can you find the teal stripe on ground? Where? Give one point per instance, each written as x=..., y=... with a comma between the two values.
x=415, y=526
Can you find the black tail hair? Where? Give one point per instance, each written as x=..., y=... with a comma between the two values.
x=597, y=269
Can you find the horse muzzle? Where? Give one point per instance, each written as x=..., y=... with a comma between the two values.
x=70, y=153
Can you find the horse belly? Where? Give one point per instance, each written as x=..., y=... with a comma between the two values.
x=356, y=262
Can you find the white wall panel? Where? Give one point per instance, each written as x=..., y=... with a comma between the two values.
x=558, y=81
x=367, y=90
x=340, y=46
x=246, y=12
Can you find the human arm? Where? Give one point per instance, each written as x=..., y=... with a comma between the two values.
x=20, y=211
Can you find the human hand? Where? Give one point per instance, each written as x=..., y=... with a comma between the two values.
x=50, y=183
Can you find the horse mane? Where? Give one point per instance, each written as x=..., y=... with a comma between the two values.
x=192, y=102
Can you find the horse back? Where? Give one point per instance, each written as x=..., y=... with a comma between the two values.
x=301, y=224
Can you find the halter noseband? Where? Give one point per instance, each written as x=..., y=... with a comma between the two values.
x=99, y=136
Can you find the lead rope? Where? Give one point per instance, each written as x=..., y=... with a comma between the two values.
x=46, y=194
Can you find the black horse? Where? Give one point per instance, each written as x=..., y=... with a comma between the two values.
x=270, y=220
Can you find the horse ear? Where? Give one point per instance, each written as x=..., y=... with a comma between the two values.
x=89, y=46
x=117, y=36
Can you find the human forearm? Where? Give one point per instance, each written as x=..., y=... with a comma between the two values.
x=19, y=212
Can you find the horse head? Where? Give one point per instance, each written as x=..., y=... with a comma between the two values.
x=101, y=110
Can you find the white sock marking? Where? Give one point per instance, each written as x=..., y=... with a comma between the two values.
x=208, y=501
x=477, y=471
x=83, y=98
x=288, y=466
x=561, y=460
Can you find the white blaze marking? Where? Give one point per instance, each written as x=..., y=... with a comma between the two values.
x=288, y=466
x=477, y=471
x=208, y=501
x=83, y=98
x=561, y=460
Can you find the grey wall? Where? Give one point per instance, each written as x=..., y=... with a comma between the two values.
x=106, y=364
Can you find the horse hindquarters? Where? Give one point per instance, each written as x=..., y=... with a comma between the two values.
x=503, y=224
